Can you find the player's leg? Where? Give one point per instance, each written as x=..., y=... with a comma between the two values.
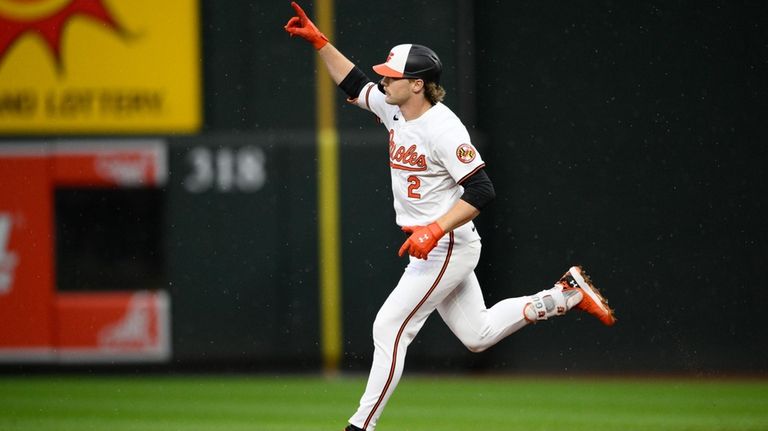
x=397, y=323
x=476, y=326
x=424, y=284
x=479, y=328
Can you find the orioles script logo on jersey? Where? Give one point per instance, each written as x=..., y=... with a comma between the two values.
x=405, y=158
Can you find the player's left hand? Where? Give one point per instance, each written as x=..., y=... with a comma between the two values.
x=422, y=240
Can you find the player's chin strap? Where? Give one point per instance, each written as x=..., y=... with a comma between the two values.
x=551, y=302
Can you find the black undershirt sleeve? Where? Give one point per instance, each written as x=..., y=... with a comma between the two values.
x=478, y=190
x=353, y=83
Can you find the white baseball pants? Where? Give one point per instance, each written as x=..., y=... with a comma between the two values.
x=445, y=282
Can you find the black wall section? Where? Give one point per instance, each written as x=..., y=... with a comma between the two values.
x=626, y=137
x=242, y=251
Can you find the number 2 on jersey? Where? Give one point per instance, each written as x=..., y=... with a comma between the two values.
x=414, y=183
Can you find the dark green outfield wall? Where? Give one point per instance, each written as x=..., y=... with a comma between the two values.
x=628, y=137
x=625, y=137
x=241, y=250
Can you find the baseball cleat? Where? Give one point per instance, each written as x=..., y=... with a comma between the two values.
x=593, y=302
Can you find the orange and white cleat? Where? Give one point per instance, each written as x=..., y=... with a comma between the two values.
x=592, y=302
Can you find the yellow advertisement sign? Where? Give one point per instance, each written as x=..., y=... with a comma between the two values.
x=99, y=66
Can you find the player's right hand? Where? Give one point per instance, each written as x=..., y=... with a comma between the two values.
x=301, y=25
x=421, y=241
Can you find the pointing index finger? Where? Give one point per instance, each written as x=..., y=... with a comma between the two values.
x=299, y=11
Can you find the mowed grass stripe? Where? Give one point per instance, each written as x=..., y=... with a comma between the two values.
x=421, y=403
x=197, y=402
x=544, y=404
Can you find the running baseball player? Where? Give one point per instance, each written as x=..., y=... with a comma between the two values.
x=439, y=186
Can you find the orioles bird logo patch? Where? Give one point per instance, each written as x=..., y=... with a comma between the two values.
x=466, y=153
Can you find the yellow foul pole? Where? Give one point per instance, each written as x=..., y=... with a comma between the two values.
x=328, y=202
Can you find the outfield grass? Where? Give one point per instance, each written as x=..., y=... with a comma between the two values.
x=421, y=403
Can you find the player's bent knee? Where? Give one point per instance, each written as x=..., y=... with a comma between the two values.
x=477, y=348
x=476, y=345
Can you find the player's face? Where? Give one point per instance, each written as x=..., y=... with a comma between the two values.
x=399, y=90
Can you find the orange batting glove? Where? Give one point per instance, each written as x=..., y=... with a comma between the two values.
x=422, y=240
x=302, y=26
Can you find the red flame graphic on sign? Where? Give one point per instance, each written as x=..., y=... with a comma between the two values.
x=50, y=25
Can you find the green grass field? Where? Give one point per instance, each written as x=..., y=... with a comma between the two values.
x=421, y=403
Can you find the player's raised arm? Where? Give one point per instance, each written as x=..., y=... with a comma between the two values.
x=300, y=25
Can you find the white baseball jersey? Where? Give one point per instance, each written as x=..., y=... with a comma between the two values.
x=429, y=157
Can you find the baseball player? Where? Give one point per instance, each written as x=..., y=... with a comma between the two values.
x=439, y=186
